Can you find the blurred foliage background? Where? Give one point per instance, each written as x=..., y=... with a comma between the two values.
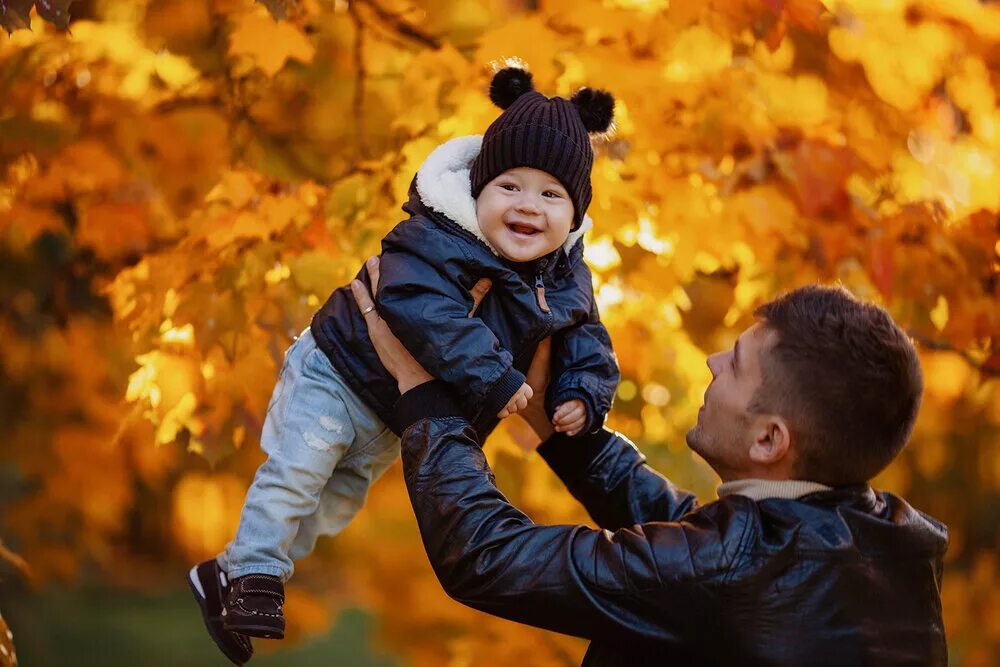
x=182, y=182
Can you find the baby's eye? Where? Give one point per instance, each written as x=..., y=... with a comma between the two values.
x=552, y=194
x=509, y=187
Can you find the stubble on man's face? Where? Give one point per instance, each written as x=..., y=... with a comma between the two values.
x=720, y=442
x=722, y=433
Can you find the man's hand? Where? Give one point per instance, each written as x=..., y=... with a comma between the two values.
x=538, y=380
x=570, y=416
x=517, y=402
x=478, y=293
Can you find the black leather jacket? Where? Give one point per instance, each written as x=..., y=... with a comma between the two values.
x=841, y=577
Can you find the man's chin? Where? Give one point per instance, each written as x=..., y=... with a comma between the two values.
x=692, y=438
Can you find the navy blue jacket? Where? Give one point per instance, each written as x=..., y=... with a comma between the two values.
x=429, y=263
x=846, y=576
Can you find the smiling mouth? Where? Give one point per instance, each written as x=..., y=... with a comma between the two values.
x=522, y=230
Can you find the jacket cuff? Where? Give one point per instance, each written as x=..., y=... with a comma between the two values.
x=594, y=421
x=426, y=401
x=503, y=389
x=572, y=457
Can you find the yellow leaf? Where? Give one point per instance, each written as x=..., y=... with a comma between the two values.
x=175, y=71
x=180, y=416
x=601, y=254
x=945, y=376
x=697, y=53
x=205, y=512
x=528, y=39
x=269, y=43
x=313, y=272
x=939, y=315
x=235, y=187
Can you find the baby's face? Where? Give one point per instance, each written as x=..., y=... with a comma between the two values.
x=524, y=213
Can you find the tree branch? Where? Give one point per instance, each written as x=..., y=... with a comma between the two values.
x=941, y=346
x=359, y=78
x=401, y=25
x=177, y=103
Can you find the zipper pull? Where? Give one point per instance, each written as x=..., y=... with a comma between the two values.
x=540, y=292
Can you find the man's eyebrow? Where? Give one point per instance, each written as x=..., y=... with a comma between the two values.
x=736, y=353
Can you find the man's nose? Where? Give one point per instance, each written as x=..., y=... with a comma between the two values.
x=713, y=363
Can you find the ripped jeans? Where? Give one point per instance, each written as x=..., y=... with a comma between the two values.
x=324, y=449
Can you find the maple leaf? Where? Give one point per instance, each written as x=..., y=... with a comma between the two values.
x=157, y=241
x=268, y=43
x=279, y=8
x=9, y=658
x=16, y=14
x=54, y=11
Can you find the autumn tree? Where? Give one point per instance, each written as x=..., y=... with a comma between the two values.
x=182, y=183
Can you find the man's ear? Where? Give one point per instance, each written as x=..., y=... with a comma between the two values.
x=772, y=443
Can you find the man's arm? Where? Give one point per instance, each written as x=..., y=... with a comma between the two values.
x=652, y=580
x=604, y=471
x=610, y=478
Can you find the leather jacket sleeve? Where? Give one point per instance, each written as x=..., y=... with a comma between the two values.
x=608, y=476
x=429, y=312
x=653, y=580
x=584, y=367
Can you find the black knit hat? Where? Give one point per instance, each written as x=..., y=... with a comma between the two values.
x=550, y=134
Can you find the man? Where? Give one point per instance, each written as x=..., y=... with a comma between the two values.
x=799, y=562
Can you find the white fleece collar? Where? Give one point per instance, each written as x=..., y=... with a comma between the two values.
x=444, y=186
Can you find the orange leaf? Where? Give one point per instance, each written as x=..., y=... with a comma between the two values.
x=269, y=43
x=818, y=173
x=114, y=229
x=881, y=266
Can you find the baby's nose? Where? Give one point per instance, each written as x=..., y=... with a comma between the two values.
x=527, y=203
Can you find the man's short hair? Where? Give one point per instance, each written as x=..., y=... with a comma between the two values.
x=846, y=378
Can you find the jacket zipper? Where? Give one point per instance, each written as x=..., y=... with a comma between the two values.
x=540, y=288
x=544, y=306
x=540, y=293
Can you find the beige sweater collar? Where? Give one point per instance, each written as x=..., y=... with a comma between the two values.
x=761, y=489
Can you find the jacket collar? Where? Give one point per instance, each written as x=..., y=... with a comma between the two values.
x=762, y=489
x=444, y=186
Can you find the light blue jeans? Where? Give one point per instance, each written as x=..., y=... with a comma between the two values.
x=324, y=448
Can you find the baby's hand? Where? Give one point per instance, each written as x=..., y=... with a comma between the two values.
x=570, y=417
x=517, y=402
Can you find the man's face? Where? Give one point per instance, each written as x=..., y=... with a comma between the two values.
x=726, y=428
x=524, y=213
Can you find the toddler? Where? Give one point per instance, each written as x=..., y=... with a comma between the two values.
x=508, y=206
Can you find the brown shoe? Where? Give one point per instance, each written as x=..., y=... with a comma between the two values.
x=209, y=585
x=253, y=606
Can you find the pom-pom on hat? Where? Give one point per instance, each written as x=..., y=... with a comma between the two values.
x=550, y=134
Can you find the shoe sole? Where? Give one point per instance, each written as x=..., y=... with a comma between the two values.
x=194, y=583
x=258, y=631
